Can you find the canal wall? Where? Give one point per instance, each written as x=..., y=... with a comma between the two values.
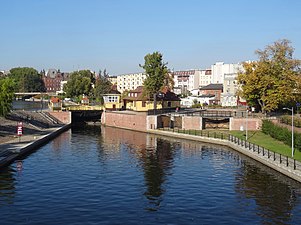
x=243, y=123
x=150, y=124
x=64, y=117
x=29, y=143
x=284, y=166
x=140, y=121
x=15, y=150
x=125, y=119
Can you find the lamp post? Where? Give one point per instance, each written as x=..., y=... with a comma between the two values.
x=292, y=110
x=247, y=124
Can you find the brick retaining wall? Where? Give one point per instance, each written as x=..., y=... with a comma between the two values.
x=64, y=117
x=127, y=120
x=238, y=123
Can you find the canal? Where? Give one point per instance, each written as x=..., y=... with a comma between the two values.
x=102, y=175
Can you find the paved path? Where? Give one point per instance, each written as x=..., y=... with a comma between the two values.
x=14, y=148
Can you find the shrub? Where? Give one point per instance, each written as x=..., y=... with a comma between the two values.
x=287, y=119
x=281, y=134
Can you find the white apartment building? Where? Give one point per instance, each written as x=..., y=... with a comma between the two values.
x=130, y=81
x=186, y=81
x=219, y=69
x=205, y=77
x=230, y=88
x=229, y=96
x=113, y=79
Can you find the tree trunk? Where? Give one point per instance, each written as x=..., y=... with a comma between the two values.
x=155, y=101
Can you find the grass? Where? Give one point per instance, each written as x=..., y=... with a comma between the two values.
x=256, y=137
x=266, y=141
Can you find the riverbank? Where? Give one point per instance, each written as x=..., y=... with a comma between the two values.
x=37, y=130
x=284, y=165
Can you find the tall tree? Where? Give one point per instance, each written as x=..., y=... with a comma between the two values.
x=79, y=83
x=274, y=79
x=156, y=72
x=27, y=79
x=7, y=86
x=102, y=85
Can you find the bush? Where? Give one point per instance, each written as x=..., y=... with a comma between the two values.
x=281, y=134
x=287, y=119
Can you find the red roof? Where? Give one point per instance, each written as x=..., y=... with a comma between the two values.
x=55, y=100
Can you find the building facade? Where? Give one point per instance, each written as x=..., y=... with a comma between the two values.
x=212, y=90
x=230, y=88
x=53, y=80
x=185, y=81
x=127, y=82
x=113, y=79
x=205, y=77
x=219, y=69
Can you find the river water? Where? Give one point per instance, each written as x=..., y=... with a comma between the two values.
x=102, y=175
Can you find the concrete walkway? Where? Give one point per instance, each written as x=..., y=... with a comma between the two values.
x=15, y=148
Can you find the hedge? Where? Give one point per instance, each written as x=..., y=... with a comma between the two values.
x=288, y=120
x=281, y=133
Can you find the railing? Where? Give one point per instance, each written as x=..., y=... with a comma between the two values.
x=247, y=146
x=160, y=111
x=84, y=107
x=212, y=114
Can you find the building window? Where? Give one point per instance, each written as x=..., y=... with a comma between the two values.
x=168, y=104
x=143, y=103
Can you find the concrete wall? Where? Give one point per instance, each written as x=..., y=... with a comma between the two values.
x=127, y=120
x=192, y=123
x=142, y=122
x=64, y=117
x=151, y=122
x=251, y=123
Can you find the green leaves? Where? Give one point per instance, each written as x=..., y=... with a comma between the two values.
x=102, y=85
x=7, y=86
x=27, y=79
x=156, y=72
x=79, y=83
x=272, y=80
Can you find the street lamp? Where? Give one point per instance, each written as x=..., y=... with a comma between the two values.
x=292, y=110
x=247, y=124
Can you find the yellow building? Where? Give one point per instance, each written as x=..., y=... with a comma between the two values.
x=136, y=101
x=112, y=101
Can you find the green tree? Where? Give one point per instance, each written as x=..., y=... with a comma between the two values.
x=273, y=80
x=27, y=80
x=102, y=85
x=7, y=86
x=156, y=73
x=79, y=83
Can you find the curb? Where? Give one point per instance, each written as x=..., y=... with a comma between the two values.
x=296, y=175
x=28, y=148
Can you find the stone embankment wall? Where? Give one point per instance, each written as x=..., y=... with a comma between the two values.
x=243, y=123
x=142, y=122
x=64, y=117
x=127, y=120
x=192, y=123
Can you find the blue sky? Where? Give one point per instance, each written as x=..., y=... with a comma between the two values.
x=117, y=34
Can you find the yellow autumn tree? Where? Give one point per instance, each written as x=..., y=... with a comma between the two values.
x=274, y=79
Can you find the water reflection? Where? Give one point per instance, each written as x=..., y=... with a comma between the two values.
x=155, y=157
x=273, y=193
x=30, y=105
x=111, y=175
x=157, y=163
x=7, y=186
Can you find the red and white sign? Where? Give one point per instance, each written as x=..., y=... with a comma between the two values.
x=20, y=129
